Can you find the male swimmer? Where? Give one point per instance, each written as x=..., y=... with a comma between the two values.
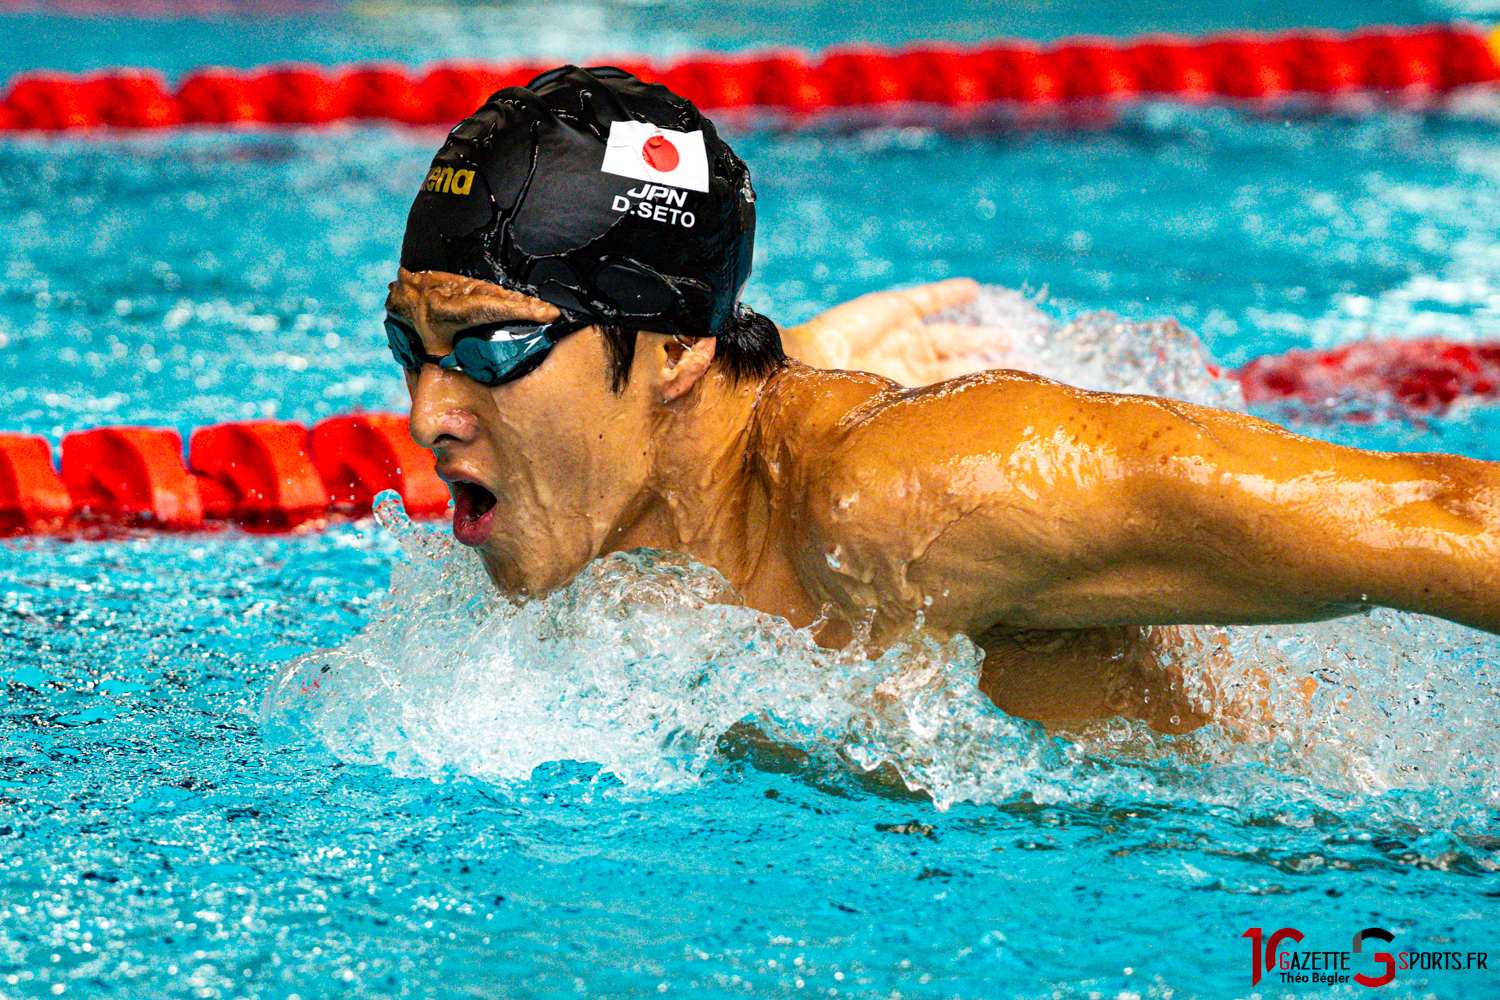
x=567, y=312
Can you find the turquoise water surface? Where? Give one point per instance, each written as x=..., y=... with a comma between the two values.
x=632, y=788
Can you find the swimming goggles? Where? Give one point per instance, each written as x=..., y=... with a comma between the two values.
x=490, y=354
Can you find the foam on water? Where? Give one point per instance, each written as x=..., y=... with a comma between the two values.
x=649, y=666
x=641, y=665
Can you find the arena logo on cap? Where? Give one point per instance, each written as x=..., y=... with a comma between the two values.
x=648, y=153
x=446, y=180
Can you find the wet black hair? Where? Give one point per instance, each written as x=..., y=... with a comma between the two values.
x=611, y=198
x=749, y=348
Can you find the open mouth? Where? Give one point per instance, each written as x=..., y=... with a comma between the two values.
x=473, y=510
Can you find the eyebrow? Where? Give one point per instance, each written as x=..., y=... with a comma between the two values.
x=465, y=315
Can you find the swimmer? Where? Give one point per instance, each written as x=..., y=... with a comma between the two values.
x=567, y=311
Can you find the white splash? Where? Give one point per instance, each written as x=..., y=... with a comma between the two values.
x=640, y=665
x=1097, y=351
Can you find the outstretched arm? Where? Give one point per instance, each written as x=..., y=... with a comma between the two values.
x=888, y=333
x=1004, y=499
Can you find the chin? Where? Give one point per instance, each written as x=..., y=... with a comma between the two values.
x=502, y=573
x=513, y=579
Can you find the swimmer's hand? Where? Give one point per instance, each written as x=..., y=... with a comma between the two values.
x=886, y=333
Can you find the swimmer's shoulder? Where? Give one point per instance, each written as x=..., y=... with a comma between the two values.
x=870, y=472
x=802, y=403
x=851, y=443
x=823, y=405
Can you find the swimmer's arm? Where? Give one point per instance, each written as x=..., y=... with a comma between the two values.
x=888, y=334
x=1018, y=502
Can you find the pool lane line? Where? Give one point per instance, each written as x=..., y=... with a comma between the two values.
x=263, y=475
x=1409, y=65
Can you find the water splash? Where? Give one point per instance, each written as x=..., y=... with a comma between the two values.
x=1096, y=351
x=639, y=666
x=647, y=663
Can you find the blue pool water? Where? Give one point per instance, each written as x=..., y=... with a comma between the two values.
x=629, y=789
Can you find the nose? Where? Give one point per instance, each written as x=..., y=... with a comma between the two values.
x=442, y=408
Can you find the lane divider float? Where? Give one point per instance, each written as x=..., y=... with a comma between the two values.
x=1418, y=63
x=269, y=475
x=264, y=475
x=1418, y=375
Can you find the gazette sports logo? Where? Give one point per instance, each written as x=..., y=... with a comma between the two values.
x=659, y=155
x=1307, y=966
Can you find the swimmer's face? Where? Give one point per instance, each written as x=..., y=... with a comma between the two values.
x=541, y=468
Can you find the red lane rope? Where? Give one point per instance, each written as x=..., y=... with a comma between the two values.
x=277, y=476
x=266, y=475
x=1421, y=375
x=1417, y=62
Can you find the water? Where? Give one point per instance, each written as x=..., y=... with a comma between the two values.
x=633, y=786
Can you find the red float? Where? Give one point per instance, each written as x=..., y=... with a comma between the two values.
x=1464, y=57
x=860, y=77
x=785, y=82
x=1319, y=64
x=943, y=76
x=1247, y=69
x=710, y=83
x=634, y=66
x=50, y=101
x=1090, y=71
x=1021, y=74
x=131, y=476
x=1400, y=61
x=1172, y=67
x=132, y=99
x=451, y=93
x=300, y=95
x=32, y=497
x=259, y=474
x=361, y=454
x=384, y=92
x=218, y=97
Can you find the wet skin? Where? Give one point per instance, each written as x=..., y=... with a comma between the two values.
x=1051, y=525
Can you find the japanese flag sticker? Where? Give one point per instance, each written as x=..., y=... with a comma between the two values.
x=648, y=153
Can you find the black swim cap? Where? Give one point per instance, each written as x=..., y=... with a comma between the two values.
x=608, y=197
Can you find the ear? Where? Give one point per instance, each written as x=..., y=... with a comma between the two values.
x=683, y=364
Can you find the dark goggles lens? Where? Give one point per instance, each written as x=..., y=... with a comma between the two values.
x=491, y=354
x=405, y=346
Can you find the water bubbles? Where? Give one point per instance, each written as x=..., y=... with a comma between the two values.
x=639, y=666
